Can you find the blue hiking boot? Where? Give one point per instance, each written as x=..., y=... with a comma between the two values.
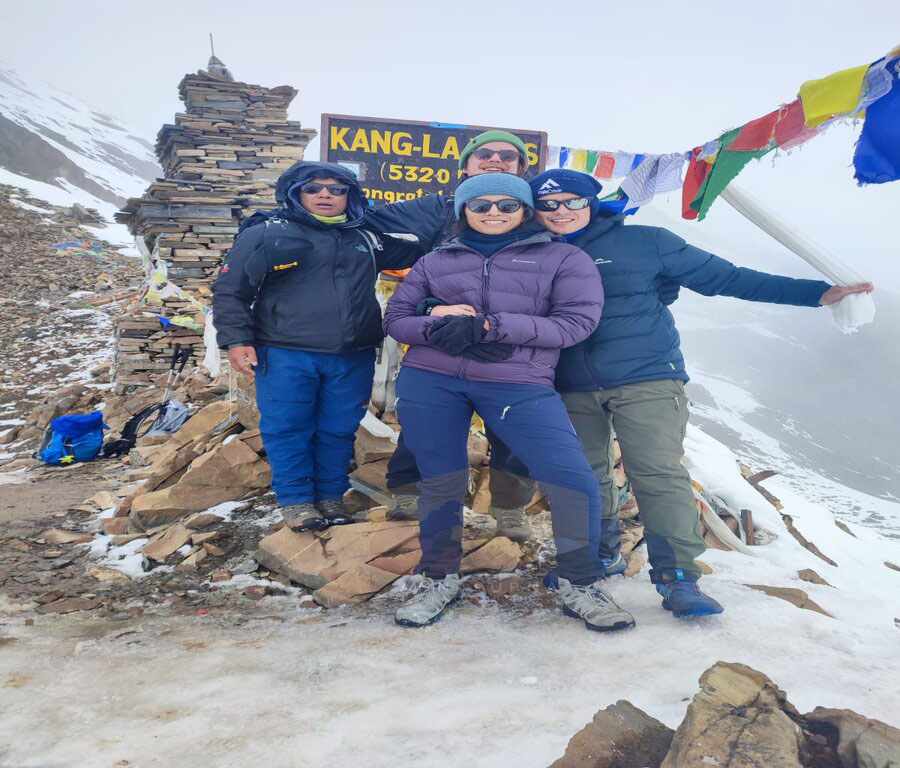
x=682, y=596
x=614, y=566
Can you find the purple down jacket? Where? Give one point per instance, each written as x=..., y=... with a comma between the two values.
x=539, y=295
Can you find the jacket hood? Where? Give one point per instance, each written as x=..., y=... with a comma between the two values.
x=300, y=173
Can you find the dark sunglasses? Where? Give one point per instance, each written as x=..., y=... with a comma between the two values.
x=480, y=205
x=575, y=204
x=506, y=155
x=313, y=188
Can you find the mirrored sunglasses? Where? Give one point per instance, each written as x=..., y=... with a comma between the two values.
x=575, y=204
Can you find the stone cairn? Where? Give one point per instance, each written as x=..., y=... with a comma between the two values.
x=221, y=160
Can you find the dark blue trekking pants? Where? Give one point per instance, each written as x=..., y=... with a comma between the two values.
x=510, y=485
x=435, y=411
x=310, y=405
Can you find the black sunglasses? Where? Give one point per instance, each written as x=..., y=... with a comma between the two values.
x=313, y=188
x=575, y=204
x=480, y=205
x=505, y=155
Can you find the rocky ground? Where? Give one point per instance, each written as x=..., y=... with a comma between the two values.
x=163, y=582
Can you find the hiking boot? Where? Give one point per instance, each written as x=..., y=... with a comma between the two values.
x=405, y=507
x=334, y=511
x=512, y=523
x=594, y=605
x=614, y=566
x=682, y=596
x=428, y=605
x=303, y=517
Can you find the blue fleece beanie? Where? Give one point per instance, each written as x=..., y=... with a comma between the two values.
x=563, y=180
x=491, y=184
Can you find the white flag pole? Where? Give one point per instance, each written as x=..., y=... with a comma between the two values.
x=849, y=313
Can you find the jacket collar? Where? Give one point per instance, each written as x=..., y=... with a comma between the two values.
x=599, y=226
x=532, y=239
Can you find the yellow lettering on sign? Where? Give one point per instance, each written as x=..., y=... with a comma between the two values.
x=338, y=138
x=533, y=155
x=381, y=141
x=399, y=146
x=426, y=147
x=360, y=141
x=451, y=149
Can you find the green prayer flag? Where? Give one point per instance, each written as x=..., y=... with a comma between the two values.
x=727, y=166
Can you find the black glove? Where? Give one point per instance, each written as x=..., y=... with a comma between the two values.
x=455, y=334
x=668, y=291
x=490, y=352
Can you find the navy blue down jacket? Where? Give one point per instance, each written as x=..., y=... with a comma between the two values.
x=636, y=339
x=292, y=281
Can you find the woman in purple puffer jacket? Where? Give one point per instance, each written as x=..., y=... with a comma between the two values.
x=519, y=298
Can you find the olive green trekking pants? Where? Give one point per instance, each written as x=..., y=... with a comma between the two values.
x=649, y=419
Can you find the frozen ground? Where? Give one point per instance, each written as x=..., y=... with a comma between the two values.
x=484, y=687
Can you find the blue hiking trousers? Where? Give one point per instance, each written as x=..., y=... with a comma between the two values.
x=310, y=405
x=435, y=412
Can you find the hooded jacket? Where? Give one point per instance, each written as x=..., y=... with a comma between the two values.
x=539, y=296
x=637, y=339
x=290, y=280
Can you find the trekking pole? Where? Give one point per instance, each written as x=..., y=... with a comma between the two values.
x=179, y=355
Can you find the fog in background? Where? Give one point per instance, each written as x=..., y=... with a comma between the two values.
x=647, y=77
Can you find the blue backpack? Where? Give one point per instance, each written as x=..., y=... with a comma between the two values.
x=73, y=437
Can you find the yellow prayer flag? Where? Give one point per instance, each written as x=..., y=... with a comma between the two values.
x=837, y=94
x=578, y=160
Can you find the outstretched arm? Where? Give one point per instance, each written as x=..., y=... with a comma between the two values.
x=576, y=305
x=710, y=275
x=425, y=217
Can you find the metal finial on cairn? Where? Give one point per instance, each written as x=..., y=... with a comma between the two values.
x=216, y=66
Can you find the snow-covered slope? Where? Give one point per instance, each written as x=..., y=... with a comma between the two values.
x=64, y=151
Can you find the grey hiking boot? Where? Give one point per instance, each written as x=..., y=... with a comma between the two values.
x=405, y=506
x=334, y=511
x=594, y=605
x=428, y=605
x=303, y=517
x=512, y=523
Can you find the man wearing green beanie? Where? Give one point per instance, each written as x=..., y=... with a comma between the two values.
x=431, y=220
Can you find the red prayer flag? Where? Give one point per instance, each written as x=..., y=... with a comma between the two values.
x=756, y=134
x=606, y=164
x=694, y=176
x=791, y=130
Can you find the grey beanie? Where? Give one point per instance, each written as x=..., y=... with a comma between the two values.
x=492, y=183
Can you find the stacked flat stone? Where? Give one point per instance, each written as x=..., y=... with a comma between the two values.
x=221, y=158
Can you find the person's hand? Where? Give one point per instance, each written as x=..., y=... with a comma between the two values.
x=242, y=359
x=837, y=292
x=449, y=310
x=487, y=325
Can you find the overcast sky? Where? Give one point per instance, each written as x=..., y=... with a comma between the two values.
x=642, y=76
